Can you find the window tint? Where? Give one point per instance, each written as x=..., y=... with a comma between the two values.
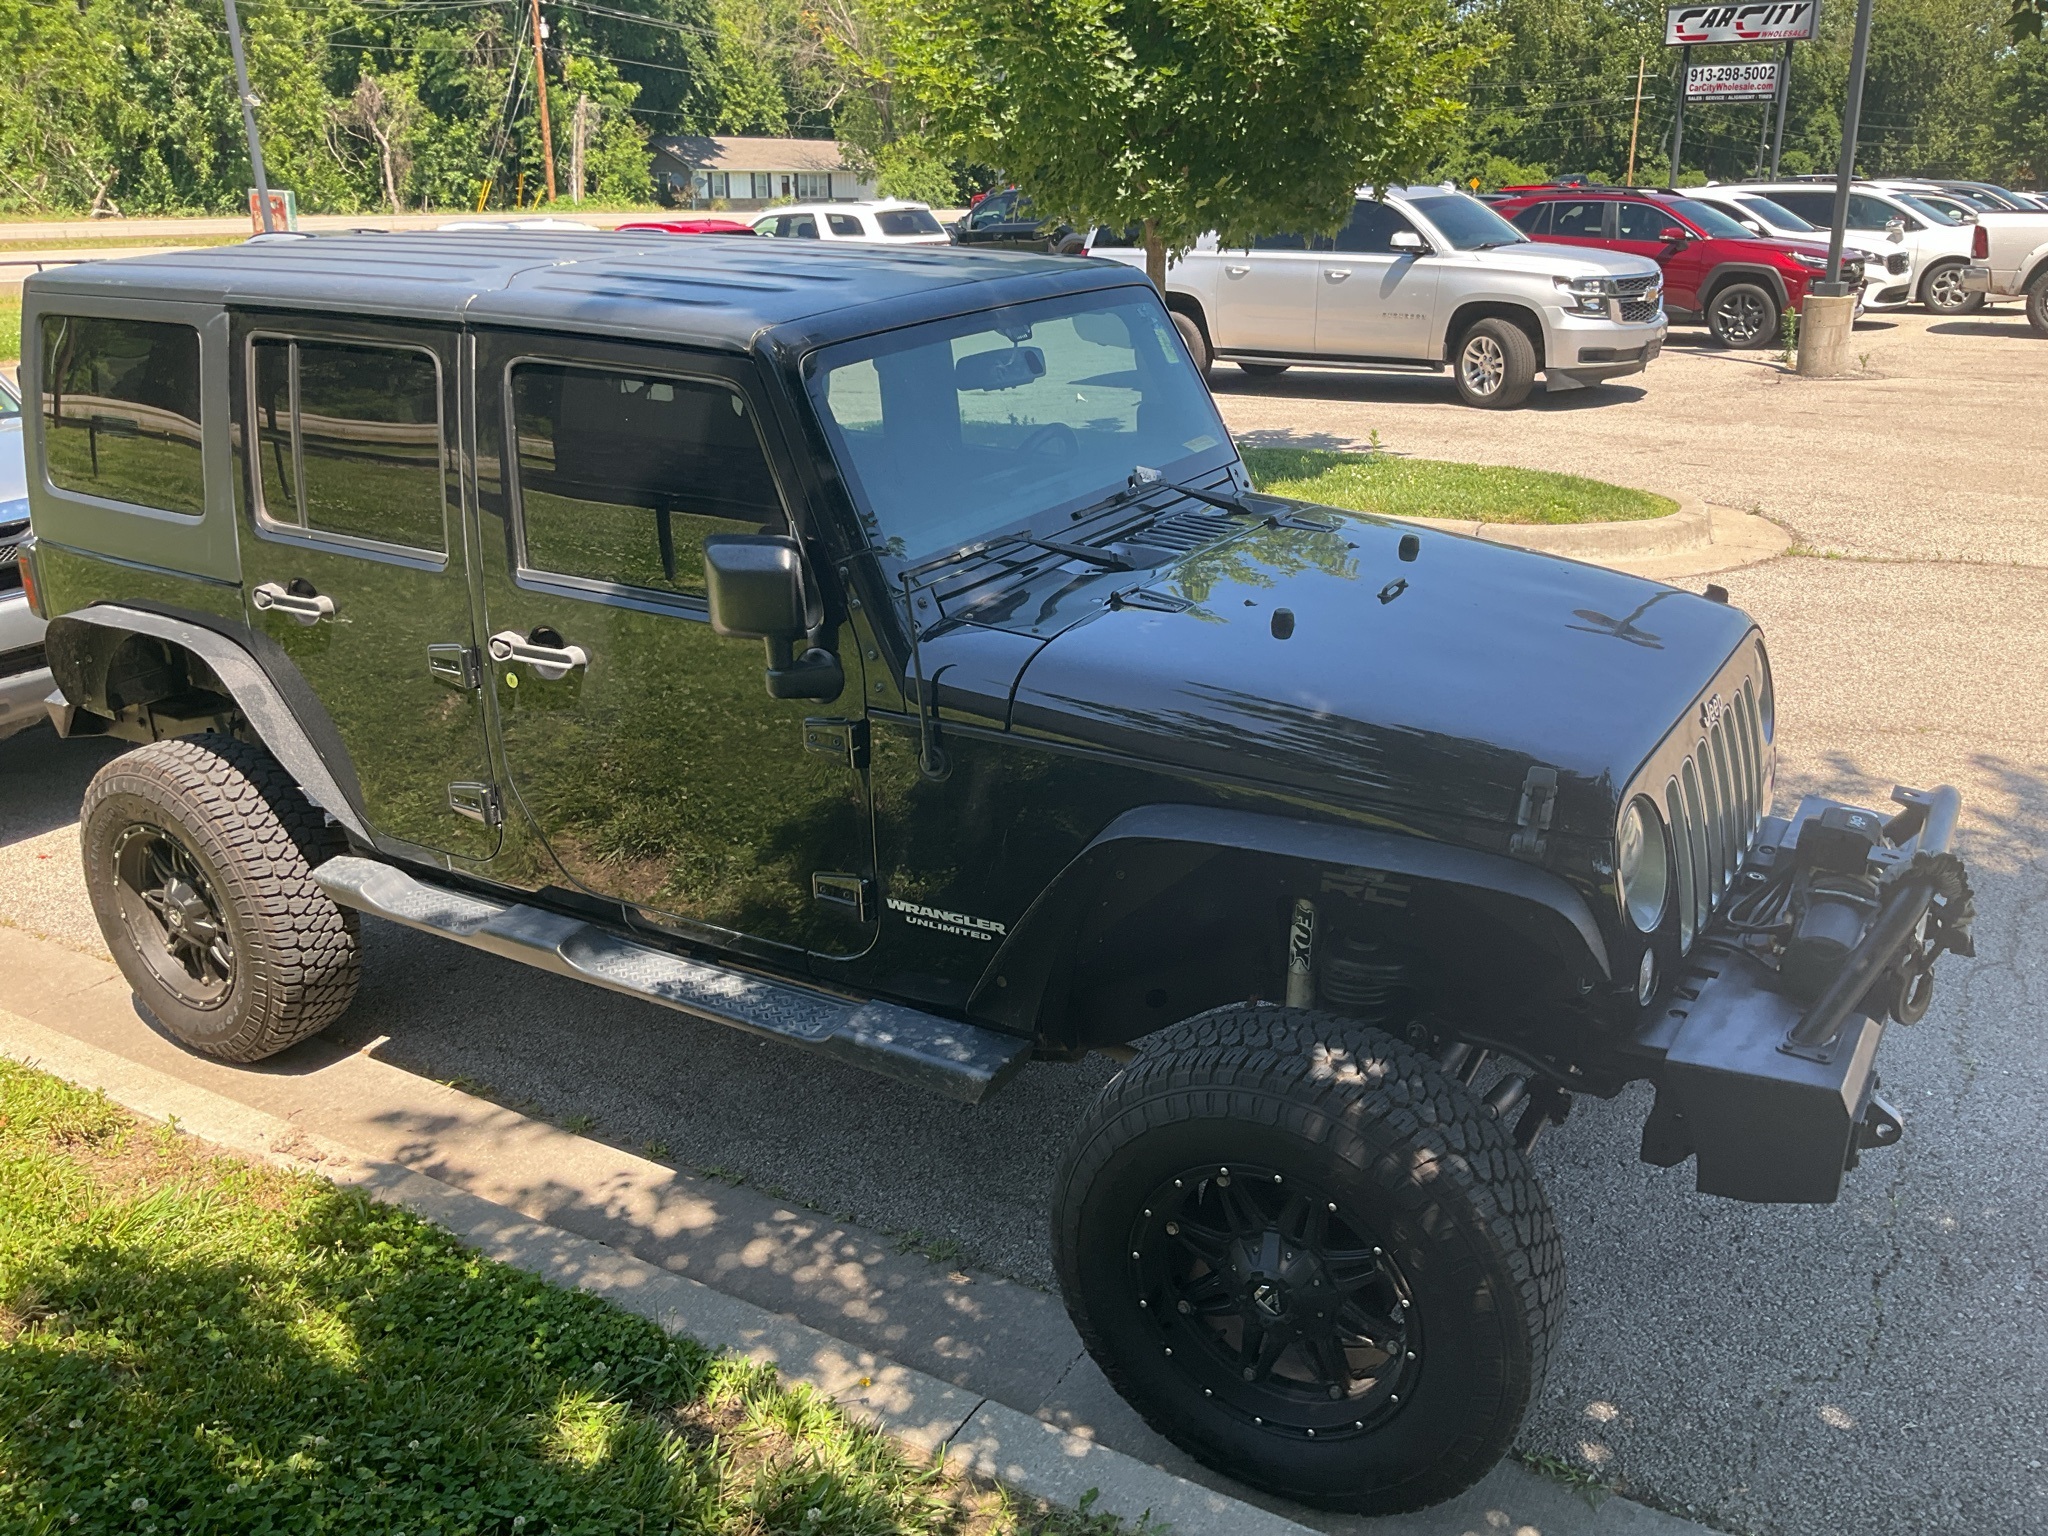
x=1586, y=220
x=1281, y=243
x=348, y=441
x=845, y=225
x=622, y=475
x=1642, y=221
x=1815, y=207
x=1775, y=214
x=909, y=221
x=1865, y=212
x=1371, y=228
x=121, y=411
x=1533, y=220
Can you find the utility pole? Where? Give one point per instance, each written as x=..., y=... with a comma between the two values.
x=1636, y=122
x=249, y=117
x=540, y=78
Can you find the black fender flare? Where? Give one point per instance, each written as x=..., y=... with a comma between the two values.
x=267, y=688
x=1741, y=272
x=1011, y=991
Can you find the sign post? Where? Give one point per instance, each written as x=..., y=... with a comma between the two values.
x=1678, y=116
x=1784, y=95
x=249, y=116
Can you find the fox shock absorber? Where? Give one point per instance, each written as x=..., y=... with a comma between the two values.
x=1301, y=955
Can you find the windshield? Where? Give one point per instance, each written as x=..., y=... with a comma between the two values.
x=1921, y=205
x=1707, y=219
x=1777, y=215
x=960, y=429
x=1466, y=222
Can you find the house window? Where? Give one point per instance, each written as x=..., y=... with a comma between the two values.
x=814, y=186
x=713, y=183
x=764, y=185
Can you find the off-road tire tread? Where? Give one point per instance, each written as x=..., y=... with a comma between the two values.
x=264, y=836
x=1277, y=1065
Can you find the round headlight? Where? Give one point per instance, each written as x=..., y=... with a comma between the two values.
x=1642, y=866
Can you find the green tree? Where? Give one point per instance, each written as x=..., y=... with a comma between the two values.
x=1238, y=116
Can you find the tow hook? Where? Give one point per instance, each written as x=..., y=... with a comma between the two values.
x=1881, y=1126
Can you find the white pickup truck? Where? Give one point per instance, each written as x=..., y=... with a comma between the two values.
x=2009, y=260
x=1420, y=278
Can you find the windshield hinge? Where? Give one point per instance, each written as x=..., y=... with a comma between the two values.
x=479, y=802
x=1532, y=816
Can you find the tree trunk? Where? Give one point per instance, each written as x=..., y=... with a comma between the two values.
x=1155, y=256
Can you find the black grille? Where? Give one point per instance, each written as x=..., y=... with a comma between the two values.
x=1639, y=310
x=1897, y=262
x=27, y=658
x=1183, y=531
x=10, y=567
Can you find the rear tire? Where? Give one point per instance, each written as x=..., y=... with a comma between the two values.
x=1301, y=1196
x=1263, y=371
x=1743, y=315
x=2037, y=304
x=198, y=859
x=1494, y=365
x=1196, y=340
x=1942, y=291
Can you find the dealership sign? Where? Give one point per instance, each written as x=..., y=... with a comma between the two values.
x=1732, y=82
x=1768, y=21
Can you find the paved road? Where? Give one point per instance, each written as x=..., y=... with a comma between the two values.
x=1880, y=1365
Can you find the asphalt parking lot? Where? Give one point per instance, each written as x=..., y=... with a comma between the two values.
x=1880, y=1365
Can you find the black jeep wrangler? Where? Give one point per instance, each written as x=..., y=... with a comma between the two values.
x=884, y=652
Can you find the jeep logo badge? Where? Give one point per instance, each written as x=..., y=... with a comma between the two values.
x=1712, y=711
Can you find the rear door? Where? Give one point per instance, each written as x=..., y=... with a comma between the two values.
x=1265, y=297
x=353, y=558
x=646, y=754
x=1374, y=301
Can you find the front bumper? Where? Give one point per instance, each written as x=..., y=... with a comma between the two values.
x=1585, y=349
x=1775, y=1097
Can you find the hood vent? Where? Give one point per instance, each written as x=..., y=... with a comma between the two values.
x=1184, y=531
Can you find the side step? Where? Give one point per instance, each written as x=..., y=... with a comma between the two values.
x=961, y=1061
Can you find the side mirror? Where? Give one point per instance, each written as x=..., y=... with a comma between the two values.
x=1674, y=234
x=1407, y=240
x=756, y=586
x=1751, y=225
x=1895, y=227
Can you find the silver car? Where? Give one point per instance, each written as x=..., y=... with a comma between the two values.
x=1419, y=278
x=24, y=674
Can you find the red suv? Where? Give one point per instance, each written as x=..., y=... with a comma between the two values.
x=1714, y=270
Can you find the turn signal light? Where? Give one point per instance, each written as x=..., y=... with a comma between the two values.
x=1980, y=244
x=28, y=580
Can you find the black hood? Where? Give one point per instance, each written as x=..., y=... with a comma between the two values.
x=1318, y=661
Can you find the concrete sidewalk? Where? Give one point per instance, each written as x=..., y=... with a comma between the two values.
x=991, y=1354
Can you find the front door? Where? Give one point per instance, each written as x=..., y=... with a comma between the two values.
x=640, y=747
x=1644, y=229
x=1376, y=301
x=352, y=559
x=1265, y=297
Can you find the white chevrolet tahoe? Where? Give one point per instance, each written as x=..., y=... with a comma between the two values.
x=1420, y=278
x=24, y=675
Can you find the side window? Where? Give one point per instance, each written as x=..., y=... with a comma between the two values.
x=800, y=226
x=1641, y=221
x=121, y=411
x=1533, y=220
x=348, y=441
x=1588, y=221
x=845, y=225
x=1280, y=243
x=1371, y=228
x=1864, y=213
x=1814, y=207
x=621, y=475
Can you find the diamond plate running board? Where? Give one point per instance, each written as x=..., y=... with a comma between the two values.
x=961, y=1061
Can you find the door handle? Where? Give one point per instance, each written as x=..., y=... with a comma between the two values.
x=548, y=661
x=1336, y=274
x=307, y=608
x=1236, y=271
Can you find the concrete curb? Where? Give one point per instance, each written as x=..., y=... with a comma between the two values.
x=974, y=1432
x=1690, y=527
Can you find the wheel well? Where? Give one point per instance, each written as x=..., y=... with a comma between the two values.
x=140, y=687
x=1466, y=314
x=1178, y=929
x=2034, y=274
x=1927, y=273
x=1187, y=304
x=1762, y=278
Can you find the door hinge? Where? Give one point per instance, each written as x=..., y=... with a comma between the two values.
x=479, y=802
x=846, y=740
x=1532, y=816
x=459, y=666
x=850, y=895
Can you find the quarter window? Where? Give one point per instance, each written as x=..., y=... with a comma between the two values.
x=121, y=411
x=348, y=441
x=622, y=476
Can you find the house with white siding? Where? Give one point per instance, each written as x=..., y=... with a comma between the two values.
x=702, y=171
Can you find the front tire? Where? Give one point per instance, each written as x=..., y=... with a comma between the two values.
x=1494, y=365
x=1196, y=340
x=1743, y=315
x=1942, y=291
x=198, y=859
x=1310, y=1259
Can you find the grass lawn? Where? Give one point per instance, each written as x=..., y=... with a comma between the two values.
x=1377, y=482
x=114, y=243
x=10, y=327
x=193, y=1343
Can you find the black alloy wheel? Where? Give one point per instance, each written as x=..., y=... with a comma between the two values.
x=1273, y=1302
x=172, y=916
x=1743, y=315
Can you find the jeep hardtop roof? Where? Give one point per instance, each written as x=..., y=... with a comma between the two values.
x=710, y=291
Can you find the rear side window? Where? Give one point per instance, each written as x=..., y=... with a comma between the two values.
x=1815, y=207
x=899, y=223
x=845, y=225
x=348, y=441
x=1588, y=220
x=121, y=411
x=622, y=476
